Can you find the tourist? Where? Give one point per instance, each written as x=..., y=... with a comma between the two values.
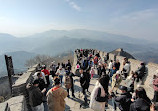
x=56, y=96
x=140, y=72
x=69, y=82
x=92, y=72
x=69, y=65
x=126, y=69
x=100, y=60
x=117, y=64
x=35, y=96
x=63, y=65
x=91, y=64
x=99, y=95
x=124, y=99
x=110, y=66
x=115, y=84
x=42, y=76
x=85, y=64
x=101, y=70
x=124, y=61
x=57, y=67
x=112, y=72
x=116, y=80
x=88, y=80
x=77, y=68
x=53, y=69
x=142, y=102
x=42, y=84
x=61, y=72
x=84, y=82
x=95, y=61
x=155, y=86
x=47, y=73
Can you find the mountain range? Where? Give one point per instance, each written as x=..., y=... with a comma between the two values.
x=55, y=42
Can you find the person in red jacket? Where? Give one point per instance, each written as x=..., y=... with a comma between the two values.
x=47, y=73
x=95, y=61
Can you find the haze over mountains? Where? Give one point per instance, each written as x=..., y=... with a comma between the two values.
x=54, y=42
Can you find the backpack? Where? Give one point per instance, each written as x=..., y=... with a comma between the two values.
x=68, y=83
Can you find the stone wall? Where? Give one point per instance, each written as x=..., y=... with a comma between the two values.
x=20, y=85
x=134, y=64
x=152, y=67
x=17, y=103
x=18, y=100
x=111, y=56
x=5, y=87
x=102, y=54
x=4, y=107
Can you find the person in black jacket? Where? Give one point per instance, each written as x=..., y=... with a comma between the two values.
x=142, y=102
x=124, y=99
x=141, y=72
x=68, y=65
x=117, y=64
x=42, y=84
x=57, y=67
x=84, y=82
x=35, y=96
x=101, y=70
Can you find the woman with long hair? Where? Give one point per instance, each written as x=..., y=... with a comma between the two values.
x=142, y=102
x=99, y=95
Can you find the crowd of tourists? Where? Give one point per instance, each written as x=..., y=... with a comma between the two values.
x=113, y=84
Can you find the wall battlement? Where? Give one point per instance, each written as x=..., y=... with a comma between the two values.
x=18, y=101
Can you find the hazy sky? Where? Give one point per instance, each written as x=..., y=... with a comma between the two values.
x=136, y=18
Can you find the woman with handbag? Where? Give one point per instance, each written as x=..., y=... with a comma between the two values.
x=99, y=95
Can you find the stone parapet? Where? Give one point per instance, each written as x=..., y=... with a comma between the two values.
x=111, y=57
x=134, y=64
x=4, y=107
x=5, y=90
x=20, y=84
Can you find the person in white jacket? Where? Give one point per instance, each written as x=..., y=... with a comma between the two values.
x=110, y=66
x=42, y=76
x=100, y=90
x=126, y=69
x=61, y=72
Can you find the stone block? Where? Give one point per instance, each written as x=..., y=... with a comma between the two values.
x=111, y=56
x=17, y=103
x=4, y=107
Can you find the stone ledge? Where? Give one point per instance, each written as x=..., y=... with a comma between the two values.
x=22, y=79
x=14, y=104
x=20, y=85
x=4, y=107
x=17, y=103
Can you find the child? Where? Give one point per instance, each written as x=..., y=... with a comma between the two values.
x=92, y=72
